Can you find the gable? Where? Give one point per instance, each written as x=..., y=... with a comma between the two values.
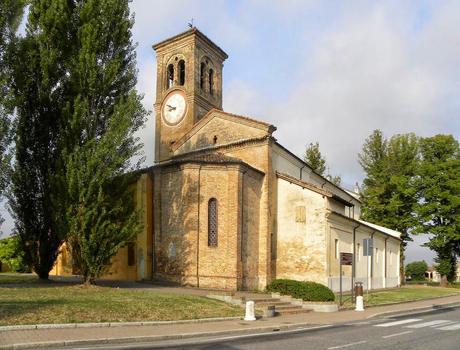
x=220, y=128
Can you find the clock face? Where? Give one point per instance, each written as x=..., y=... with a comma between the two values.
x=174, y=108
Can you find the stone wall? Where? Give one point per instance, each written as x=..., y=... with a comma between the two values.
x=300, y=242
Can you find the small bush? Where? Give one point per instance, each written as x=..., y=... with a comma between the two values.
x=307, y=291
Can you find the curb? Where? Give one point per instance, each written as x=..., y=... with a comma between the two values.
x=301, y=327
x=112, y=324
x=402, y=302
x=417, y=310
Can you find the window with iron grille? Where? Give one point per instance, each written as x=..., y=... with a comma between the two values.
x=212, y=222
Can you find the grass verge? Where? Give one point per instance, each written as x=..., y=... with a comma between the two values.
x=404, y=294
x=32, y=302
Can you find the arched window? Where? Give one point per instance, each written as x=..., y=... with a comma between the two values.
x=181, y=72
x=212, y=222
x=202, y=69
x=170, y=75
x=211, y=81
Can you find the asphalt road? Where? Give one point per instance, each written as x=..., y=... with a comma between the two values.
x=438, y=330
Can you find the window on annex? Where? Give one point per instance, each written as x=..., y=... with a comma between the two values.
x=377, y=255
x=181, y=66
x=336, y=248
x=358, y=251
x=212, y=223
x=131, y=255
x=300, y=214
x=170, y=75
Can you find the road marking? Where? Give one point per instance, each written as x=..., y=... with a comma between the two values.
x=428, y=324
x=396, y=334
x=356, y=323
x=453, y=327
x=347, y=345
x=397, y=323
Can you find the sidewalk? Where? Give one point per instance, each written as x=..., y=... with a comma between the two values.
x=117, y=334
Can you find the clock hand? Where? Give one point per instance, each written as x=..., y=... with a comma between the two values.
x=171, y=108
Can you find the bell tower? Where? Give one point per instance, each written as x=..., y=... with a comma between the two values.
x=189, y=84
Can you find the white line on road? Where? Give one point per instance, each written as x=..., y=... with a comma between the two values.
x=396, y=334
x=397, y=323
x=356, y=323
x=453, y=327
x=428, y=324
x=347, y=345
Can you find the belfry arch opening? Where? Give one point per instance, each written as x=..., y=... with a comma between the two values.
x=181, y=67
x=170, y=78
x=211, y=81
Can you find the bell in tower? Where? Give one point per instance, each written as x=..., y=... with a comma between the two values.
x=189, y=84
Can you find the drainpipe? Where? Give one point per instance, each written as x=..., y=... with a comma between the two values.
x=303, y=166
x=372, y=260
x=353, y=267
x=242, y=231
x=198, y=232
x=385, y=265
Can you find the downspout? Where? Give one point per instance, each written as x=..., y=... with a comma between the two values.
x=353, y=267
x=385, y=266
x=198, y=231
x=242, y=231
x=301, y=168
x=242, y=221
x=372, y=258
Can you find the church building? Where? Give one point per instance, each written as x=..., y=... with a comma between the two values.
x=226, y=206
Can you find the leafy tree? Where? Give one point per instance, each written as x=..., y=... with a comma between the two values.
x=389, y=193
x=11, y=12
x=105, y=112
x=438, y=208
x=317, y=162
x=417, y=270
x=39, y=79
x=12, y=254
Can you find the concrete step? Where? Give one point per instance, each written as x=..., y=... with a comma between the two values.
x=264, y=300
x=291, y=311
x=289, y=306
x=275, y=303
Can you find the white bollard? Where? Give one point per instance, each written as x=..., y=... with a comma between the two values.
x=359, y=303
x=250, y=315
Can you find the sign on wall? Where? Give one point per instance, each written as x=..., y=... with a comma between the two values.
x=346, y=258
x=368, y=246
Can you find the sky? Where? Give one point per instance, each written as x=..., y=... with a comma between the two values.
x=321, y=71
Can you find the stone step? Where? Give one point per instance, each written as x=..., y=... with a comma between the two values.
x=275, y=303
x=263, y=300
x=292, y=310
x=289, y=306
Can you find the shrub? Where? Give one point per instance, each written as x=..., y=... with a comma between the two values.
x=307, y=291
x=416, y=270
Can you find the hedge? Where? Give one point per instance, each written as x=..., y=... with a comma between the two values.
x=307, y=291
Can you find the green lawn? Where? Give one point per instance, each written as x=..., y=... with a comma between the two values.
x=24, y=300
x=404, y=294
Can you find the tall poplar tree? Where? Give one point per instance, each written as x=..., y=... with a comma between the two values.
x=438, y=207
x=389, y=192
x=39, y=75
x=77, y=114
x=11, y=12
x=105, y=111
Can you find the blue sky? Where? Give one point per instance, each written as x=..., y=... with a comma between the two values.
x=326, y=71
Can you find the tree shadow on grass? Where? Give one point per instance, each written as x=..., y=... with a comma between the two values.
x=13, y=310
